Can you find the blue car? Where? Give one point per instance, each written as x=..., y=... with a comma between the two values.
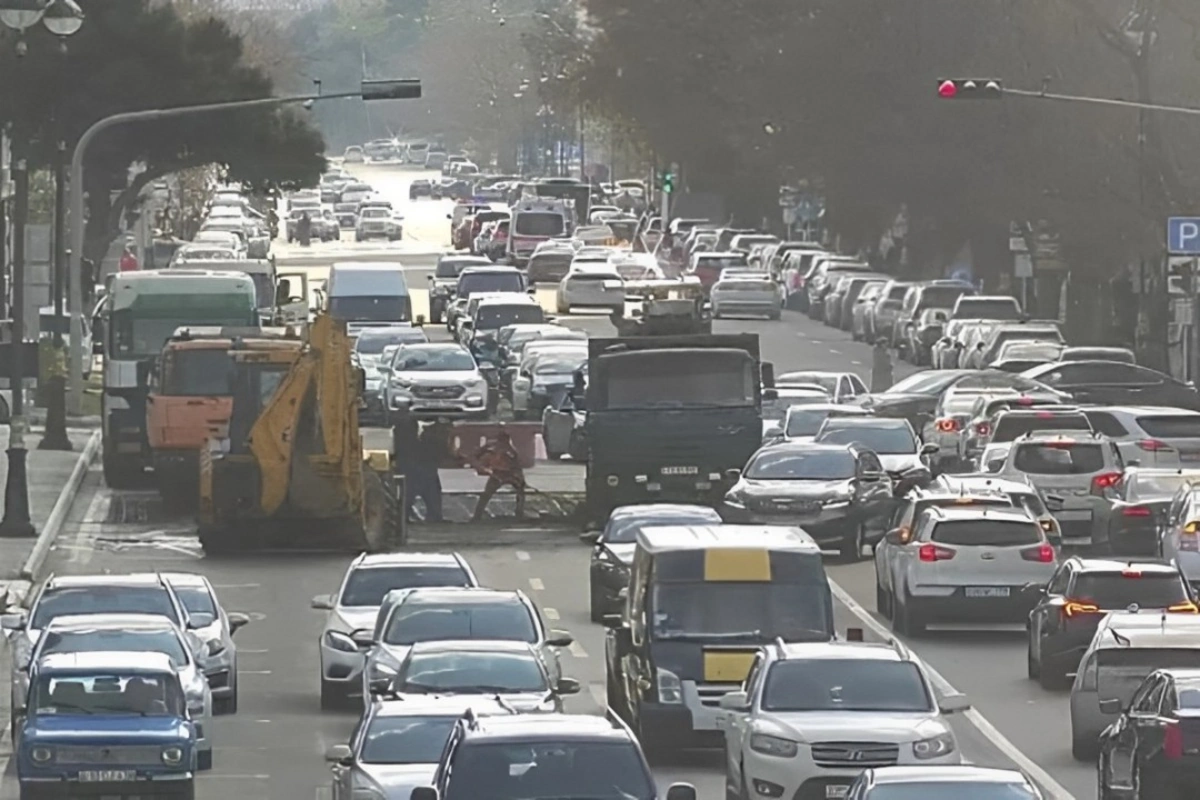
x=106, y=724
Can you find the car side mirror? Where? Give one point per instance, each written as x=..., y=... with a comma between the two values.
x=1111, y=705
x=930, y=449
x=612, y=620
x=339, y=754
x=567, y=686
x=560, y=639
x=770, y=394
x=953, y=704
x=590, y=537
x=429, y=278
x=896, y=536
x=1133, y=462
x=735, y=701
x=871, y=476
x=323, y=602
x=530, y=290
x=423, y=793
x=363, y=637
x=681, y=791
x=13, y=622
x=1053, y=502
x=237, y=620
x=733, y=475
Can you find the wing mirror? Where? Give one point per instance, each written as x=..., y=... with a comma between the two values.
x=567, y=686
x=237, y=620
x=323, y=602
x=423, y=793
x=735, y=701
x=1054, y=502
x=612, y=621
x=930, y=449
x=1111, y=706
x=13, y=622
x=340, y=754
x=953, y=704
x=678, y=791
x=363, y=637
x=560, y=639
x=590, y=537
x=733, y=475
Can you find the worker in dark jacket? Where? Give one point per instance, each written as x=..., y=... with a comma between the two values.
x=881, y=367
x=405, y=436
x=501, y=462
x=433, y=449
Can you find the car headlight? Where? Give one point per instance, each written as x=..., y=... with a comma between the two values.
x=385, y=667
x=670, y=690
x=42, y=755
x=934, y=747
x=340, y=641
x=402, y=383
x=172, y=755
x=774, y=746
x=736, y=500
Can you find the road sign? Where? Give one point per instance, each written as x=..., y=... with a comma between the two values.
x=1183, y=236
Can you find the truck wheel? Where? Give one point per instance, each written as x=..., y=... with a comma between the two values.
x=597, y=605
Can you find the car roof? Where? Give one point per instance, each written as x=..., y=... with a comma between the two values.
x=791, y=446
x=472, y=646
x=494, y=269
x=854, y=411
x=1091, y=564
x=439, y=705
x=989, y=481
x=547, y=727
x=508, y=299
x=667, y=538
x=122, y=621
x=1149, y=628
x=116, y=660
x=1158, y=411
x=372, y=560
x=875, y=651
x=131, y=579
x=651, y=510
x=1000, y=513
x=948, y=772
x=448, y=595
x=869, y=421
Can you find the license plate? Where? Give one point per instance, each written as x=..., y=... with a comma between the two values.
x=987, y=591
x=679, y=470
x=108, y=775
x=1189, y=456
x=836, y=791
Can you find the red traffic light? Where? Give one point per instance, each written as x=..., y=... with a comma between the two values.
x=970, y=89
x=947, y=89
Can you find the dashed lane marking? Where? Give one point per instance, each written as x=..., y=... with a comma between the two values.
x=252, y=652
x=225, y=776
x=551, y=613
x=835, y=352
x=254, y=672
x=522, y=555
x=856, y=363
x=237, y=585
x=1055, y=789
x=536, y=584
x=576, y=649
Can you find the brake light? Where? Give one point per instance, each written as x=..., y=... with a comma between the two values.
x=1024, y=401
x=947, y=425
x=1044, y=415
x=1106, y=480
x=983, y=429
x=1074, y=608
x=1172, y=740
x=1043, y=554
x=1186, y=607
x=1153, y=445
x=1131, y=573
x=931, y=552
x=1135, y=511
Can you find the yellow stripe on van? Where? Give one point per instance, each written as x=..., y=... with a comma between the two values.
x=727, y=666
x=737, y=564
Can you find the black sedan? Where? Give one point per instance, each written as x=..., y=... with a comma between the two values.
x=420, y=188
x=1083, y=590
x=612, y=554
x=916, y=397
x=839, y=494
x=1116, y=383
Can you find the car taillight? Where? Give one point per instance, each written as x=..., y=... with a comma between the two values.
x=1172, y=740
x=947, y=425
x=1186, y=607
x=983, y=429
x=931, y=552
x=1043, y=554
x=1106, y=480
x=1075, y=608
x=1135, y=511
x=1153, y=445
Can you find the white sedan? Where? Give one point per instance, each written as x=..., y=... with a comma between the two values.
x=590, y=285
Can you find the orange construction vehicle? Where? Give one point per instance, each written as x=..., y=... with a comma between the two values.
x=191, y=399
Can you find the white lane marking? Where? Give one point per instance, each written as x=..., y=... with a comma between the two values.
x=324, y=792
x=231, y=777
x=551, y=613
x=252, y=652
x=178, y=548
x=254, y=672
x=599, y=693
x=536, y=584
x=237, y=585
x=576, y=649
x=835, y=352
x=96, y=514
x=981, y=723
x=522, y=555
x=856, y=363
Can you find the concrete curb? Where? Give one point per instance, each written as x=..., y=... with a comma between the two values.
x=62, y=506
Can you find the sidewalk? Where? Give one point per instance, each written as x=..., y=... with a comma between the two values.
x=54, y=478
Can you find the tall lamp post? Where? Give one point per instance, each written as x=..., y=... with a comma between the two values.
x=21, y=16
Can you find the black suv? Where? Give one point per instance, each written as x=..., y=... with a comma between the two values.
x=544, y=755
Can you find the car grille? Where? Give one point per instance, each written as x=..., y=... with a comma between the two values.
x=864, y=755
x=133, y=754
x=782, y=505
x=711, y=693
x=437, y=392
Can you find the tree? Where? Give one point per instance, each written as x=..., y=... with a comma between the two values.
x=134, y=55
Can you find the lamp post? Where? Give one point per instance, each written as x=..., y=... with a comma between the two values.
x=63, y=18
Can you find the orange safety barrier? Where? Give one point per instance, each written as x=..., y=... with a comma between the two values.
x=468, y=438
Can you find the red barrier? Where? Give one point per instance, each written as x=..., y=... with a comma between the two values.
x=468, y=438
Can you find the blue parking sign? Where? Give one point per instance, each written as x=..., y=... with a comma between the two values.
x=1183, y=236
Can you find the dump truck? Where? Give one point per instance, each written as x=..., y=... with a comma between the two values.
x=190, y=399
x=292, y=472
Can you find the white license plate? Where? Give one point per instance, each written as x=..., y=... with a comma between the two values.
x=836, y=792
x=987, y=591
x=107, y=775
x=679, y=470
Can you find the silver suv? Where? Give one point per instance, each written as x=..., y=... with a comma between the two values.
x=1074, y=465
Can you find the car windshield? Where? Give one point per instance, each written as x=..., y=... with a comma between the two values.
x=595, y=770
x=886, y=441
x=798, y=465
x=424, y=623
x=720, y=262
x=559, y=363
x=195, y=600
x=953, y=790
x=375, y=213
x=1174, y=426
x=405, y=740
x=1115, y=590
x=61, y=601
x=806, y=421
x=753, y=612
x=434, y=360
x=372, y=342
x=163, y=640
x=204, y=372
x=473, y=672
x=986, y=533
x=485, y=282
x=775, y=410
x=1142, y=486
x=1003, y=310
x=142, y=694
x=845, y=684
x=1059, y=458
x=625, y=531
x=367, y=586
x=536, y=223
x=824, y=380
x=1011, y=426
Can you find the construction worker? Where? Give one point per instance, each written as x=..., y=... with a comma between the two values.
x=433, y=448
x=405, y=439
x=502, y=463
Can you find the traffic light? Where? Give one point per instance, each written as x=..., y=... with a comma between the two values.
x=970, y=89
x=408, y=89
x=668, y=182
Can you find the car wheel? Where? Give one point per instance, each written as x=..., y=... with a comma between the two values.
x=882, y=601
x=1052, y=676
x=906, y=621
x=228, y=705
x=597, y=604
x=1084, y=748
x=204, y=760
x=851, y=547
x=1032, y=667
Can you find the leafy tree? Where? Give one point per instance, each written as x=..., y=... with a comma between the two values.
x=137, y=54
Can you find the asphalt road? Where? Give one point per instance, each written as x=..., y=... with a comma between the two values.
x=273, y=747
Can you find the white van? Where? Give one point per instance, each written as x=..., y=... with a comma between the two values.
x=534, y=222
x=368, y=294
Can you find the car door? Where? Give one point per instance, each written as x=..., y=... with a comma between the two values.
x=1045, y=618
x=737, y=724
x=343, y=776
x=291, y=298
x=557, y=425
x=1134, y=726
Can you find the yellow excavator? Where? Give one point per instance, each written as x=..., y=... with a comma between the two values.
x=292, y=472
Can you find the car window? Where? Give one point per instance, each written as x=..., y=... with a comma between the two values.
x=424, y=623
x=986, y=533
x=800, y=465
x=478, y=671
x=1059, y=459
x=366, y=587
x=1181, y=426
x=70, y=600
x=564, y=769
x=891, y=440
x=1114, y=590
x=1108, y=424
x=196, y=600
x=845, y=685
x=1143, y=486
x=405, y=740
x=434, y=360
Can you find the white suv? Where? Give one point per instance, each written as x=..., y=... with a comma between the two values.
x=812, y=716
